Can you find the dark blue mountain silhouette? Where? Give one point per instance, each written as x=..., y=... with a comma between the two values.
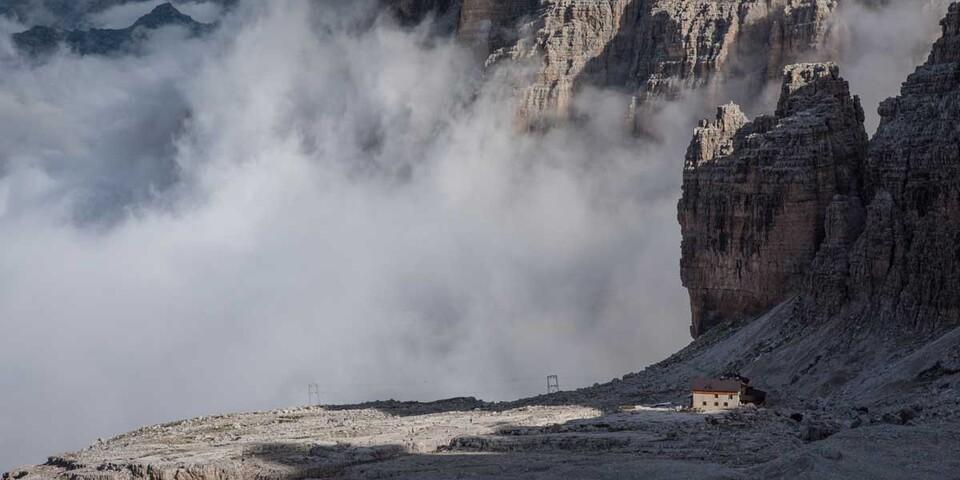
x=42, y=40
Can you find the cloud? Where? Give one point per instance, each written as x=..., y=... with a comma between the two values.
x=202, y=11
x=306, y=197
x=878, y=46
x=123, y=15
x=309, y=195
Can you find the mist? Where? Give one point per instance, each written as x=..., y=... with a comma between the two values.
x=315, y=195
x=215, y=224
x=878, y=46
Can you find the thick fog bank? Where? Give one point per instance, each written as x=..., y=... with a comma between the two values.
x=306, y=196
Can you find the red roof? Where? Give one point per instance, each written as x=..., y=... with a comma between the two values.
x=715, y=385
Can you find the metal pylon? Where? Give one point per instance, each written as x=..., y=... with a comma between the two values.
x=313, y=394
x=553, y=384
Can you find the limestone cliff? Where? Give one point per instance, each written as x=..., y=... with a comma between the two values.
x=867, y=232
x=643, y=48
x=443, y=13
x=488, y=25
x=755, y=195
x=907, y=262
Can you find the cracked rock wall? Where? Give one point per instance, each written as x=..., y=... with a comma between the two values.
x=756, y=194
x=643, y=47
x=866, y=231
x=907, y=261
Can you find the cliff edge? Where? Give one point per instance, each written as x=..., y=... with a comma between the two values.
x=755, y=194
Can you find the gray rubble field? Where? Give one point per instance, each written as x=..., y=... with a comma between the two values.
x=522, y=442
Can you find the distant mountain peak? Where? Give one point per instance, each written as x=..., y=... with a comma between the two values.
x=42, y=40
x=163, y=15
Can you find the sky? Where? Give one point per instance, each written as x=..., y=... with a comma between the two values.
x=215, y=224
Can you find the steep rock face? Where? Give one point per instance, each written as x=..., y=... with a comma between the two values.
x=411, y=12
x=757, y=196
x=886, y=234
x=488, y=25
x=644, y=48
x=907, y=262
x=417, y=10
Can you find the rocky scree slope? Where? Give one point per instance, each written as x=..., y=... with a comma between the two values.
x=451, y=440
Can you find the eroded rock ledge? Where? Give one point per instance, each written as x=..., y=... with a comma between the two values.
x=756, y=194
x=763, y=199
x=906, y=263
x=644, y=48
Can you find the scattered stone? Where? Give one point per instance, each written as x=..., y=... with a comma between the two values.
x=816, y=431
x=830, y=453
